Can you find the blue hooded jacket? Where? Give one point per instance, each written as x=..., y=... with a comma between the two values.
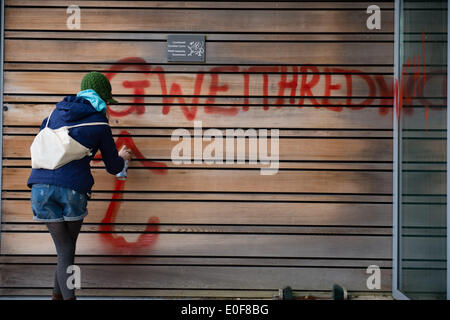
x=76, y=174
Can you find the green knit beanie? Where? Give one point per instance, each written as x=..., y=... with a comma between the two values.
x=99, y=83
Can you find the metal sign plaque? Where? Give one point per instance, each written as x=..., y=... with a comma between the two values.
x=185, y=48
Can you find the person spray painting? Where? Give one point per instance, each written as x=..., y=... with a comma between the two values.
x=61, y=179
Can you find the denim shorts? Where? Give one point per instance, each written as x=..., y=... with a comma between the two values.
x=52, y=203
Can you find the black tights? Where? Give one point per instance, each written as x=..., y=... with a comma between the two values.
x=64, y=236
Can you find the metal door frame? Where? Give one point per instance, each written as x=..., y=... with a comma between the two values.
x=2, y=50
x=448, y=154
x=396, y=293
x=395, y=176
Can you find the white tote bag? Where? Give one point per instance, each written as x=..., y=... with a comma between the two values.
x=53, y=148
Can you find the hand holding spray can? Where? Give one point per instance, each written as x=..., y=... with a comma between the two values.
x=122, y=175
x=125, y=153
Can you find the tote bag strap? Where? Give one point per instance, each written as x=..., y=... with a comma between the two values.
x=88, y=124
x=48, y=119
x=79, y=125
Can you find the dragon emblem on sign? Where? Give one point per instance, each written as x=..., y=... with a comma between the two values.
x=196, y=48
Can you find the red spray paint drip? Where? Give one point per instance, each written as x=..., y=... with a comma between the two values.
x=403, y=90
x=119, y=243
x=150, y=236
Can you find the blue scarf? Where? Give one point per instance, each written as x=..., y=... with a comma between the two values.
x=95, y=100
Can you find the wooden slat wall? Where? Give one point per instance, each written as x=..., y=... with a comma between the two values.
x=212, y=230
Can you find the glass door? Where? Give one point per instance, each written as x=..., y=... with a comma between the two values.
x=420, y=151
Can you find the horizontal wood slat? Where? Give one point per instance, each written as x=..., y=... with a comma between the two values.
x=290, y=165
x=242, y=197
x=130, y=67
x=218, y=52
x=236, y=83
x=238, y=245
x=231, y=230
x=236, y=181
x=284, y=133
x=303, y=149
x=203, y=4
x=332, y=214
x=273, y=37
x=256, y=117
x=132, y=229
x=152, y=293
x=207, y=261
x=182, y=293
x=197, y=20
x=202, y=277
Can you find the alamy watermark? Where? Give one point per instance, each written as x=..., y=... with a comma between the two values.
x=373, y=282
x=228, y=148
x=74, y=280
x=74, y=20
x=374, y=20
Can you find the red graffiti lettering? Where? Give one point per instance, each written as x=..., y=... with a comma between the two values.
x=372, y=91
x=405, y=89
x=176, y=93
x=119, y=243
x=149, y=237
x=306, y=87
x=128, y=141
x=284, y=84
x=138, y=86
x=385, y=91
x=214, y=88
x=265, y=76
x=348, y=82
x=289, y=85
x=328, y=87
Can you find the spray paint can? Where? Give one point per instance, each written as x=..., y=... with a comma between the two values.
x=122, y=175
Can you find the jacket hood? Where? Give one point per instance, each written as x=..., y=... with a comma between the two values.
x=73, y=108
